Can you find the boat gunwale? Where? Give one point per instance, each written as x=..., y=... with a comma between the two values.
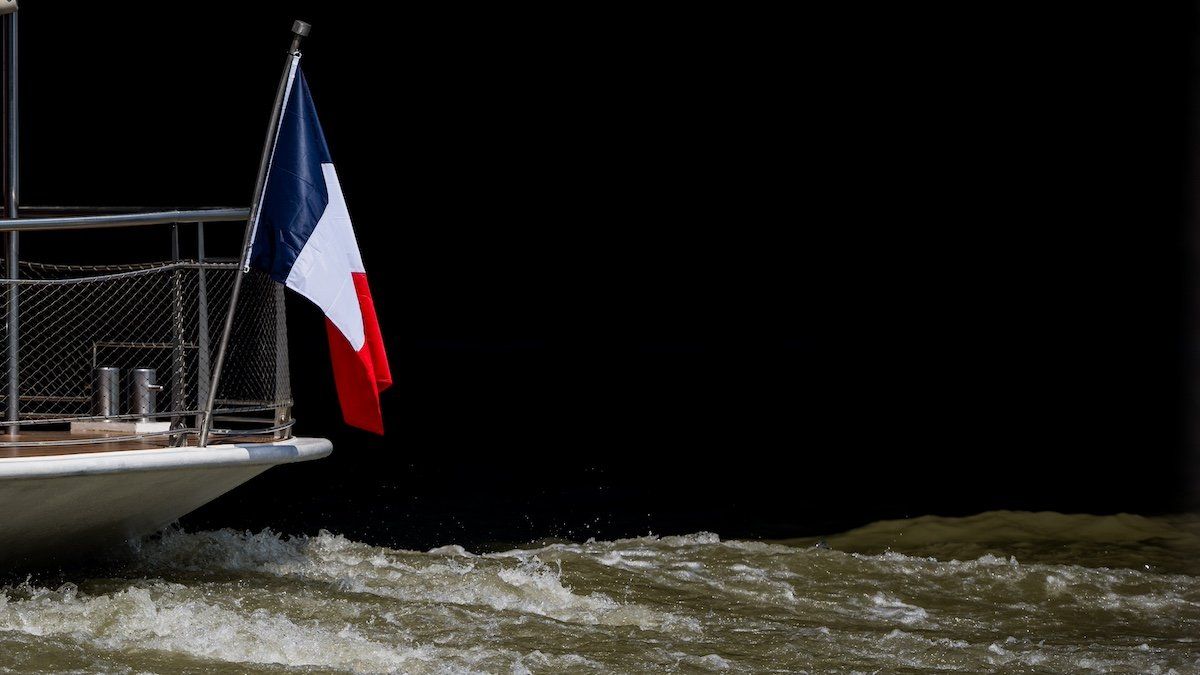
x=296, y=449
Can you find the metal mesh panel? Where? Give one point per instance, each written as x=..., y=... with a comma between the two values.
x=165, y=316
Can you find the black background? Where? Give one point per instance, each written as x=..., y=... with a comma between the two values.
x=757, y=274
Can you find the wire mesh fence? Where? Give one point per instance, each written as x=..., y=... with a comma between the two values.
x=165, y=317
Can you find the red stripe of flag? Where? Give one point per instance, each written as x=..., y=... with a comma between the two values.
x=360, y=375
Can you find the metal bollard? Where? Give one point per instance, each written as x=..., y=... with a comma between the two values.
x=106, y=391
x=143, y=393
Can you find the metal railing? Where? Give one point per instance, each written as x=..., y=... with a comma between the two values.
x=63, y=324
x=157, y=323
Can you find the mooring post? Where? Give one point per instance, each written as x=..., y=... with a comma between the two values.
x=12, y=248
x=299, y=30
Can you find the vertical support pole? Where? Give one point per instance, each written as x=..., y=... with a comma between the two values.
x=178, y=363
x=202, y=354
x=283, y=388
x=12, y=200
x=299, y=30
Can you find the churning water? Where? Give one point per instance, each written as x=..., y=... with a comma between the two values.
x=1017, y=592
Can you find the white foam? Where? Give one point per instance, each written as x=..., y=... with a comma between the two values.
x=523, y=584
x=167, y=617
x=892, y=608
x=691, y=603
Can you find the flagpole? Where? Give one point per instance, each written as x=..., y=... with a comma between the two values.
x=299, y=30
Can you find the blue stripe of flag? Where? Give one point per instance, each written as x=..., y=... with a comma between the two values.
x=295, y=195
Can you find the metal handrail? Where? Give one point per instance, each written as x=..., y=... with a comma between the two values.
x=210, y=264
x=38, y=210
x=122, y=219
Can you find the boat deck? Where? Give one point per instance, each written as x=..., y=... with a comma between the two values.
x=40, y=443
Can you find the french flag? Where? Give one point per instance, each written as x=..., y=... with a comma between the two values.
x=305, y=241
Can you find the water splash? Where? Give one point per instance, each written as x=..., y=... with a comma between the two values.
x=995, y=591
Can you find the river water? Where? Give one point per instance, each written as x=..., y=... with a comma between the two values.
x=1001, y=591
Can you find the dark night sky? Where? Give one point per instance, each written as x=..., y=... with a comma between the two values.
x=674, y=272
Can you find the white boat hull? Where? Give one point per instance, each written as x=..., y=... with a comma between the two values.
x=63, y=506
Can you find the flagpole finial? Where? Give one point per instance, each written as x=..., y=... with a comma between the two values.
x=301, y=30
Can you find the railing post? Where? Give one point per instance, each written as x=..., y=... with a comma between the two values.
x=283, y=414
x=178, y=362
x=202, y=354
x=12, y=239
